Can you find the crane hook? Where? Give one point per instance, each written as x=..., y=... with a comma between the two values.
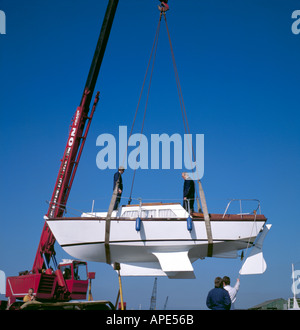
x=163, y=7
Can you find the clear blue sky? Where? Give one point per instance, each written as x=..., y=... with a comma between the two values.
x=239, y=67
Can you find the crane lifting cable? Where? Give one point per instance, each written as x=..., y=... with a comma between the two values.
x=163, y=8
x=151, y=59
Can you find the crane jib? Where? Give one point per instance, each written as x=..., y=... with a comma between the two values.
x=62, y=180
x=65, y=178
x=69, y=163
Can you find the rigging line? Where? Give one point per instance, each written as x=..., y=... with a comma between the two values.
x=176, y=76
x=182, y=105
x=147, y=99
x=183, y=109
x=248, y=244
x=184, y=114
x=143, y=85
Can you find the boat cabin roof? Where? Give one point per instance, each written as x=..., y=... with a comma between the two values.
x=167, y=211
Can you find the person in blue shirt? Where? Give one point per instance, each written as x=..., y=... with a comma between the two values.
x=218, y=298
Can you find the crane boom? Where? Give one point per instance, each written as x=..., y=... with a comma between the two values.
x=75, y=143
x=153, y=297
x=49, y=285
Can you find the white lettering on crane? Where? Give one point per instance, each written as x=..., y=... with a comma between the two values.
x=65, y=160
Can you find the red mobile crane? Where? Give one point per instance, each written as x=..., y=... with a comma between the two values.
x=69, y=280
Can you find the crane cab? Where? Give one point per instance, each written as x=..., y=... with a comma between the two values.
x=76, y=276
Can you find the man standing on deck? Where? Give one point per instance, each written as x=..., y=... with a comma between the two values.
x=188, y=193
x=118, y=179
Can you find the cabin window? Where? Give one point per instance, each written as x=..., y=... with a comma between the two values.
x=66, y=271
x=80, y=272
x=144, y=214
x=167, y=213
x=135, y=214
x=130, y=214
x=148, y=214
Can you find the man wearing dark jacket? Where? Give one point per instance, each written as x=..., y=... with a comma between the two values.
x=118, y=178
x=218, y=298
x=188, y=193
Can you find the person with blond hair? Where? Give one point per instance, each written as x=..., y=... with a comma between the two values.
x=29, y=296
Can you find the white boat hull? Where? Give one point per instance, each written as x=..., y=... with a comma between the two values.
x=162, y=247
